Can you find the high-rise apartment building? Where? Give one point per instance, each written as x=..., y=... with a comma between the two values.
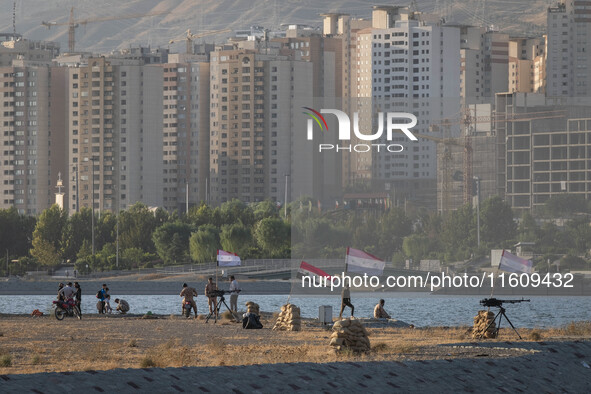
x=253, y=96
x=32, y=124
x=568, y=59
x=484, y=64
x=407, y=63
x=527, y=60
x=185, y=131
x=115, y=134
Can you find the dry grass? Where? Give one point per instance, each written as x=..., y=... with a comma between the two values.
x=6, y=361
x=96, y=343
x=152, y=276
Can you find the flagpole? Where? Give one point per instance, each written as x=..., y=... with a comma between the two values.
x=217, y=265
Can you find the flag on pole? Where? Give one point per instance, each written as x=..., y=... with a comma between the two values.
x=512, y=263
x=309, y=270
x=364, y=263
x=227, y=259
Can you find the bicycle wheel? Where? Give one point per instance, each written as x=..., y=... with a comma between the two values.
x=60, y=313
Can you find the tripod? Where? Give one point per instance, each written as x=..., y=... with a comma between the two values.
x=500, y=314
x=216, y=310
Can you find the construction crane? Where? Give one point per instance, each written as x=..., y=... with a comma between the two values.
x=465, y=142
x=189, y=37
x=73, y=24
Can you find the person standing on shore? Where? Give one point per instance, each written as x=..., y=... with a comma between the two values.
x=234, y=290
x=60, y=297
x=187, y=293
x=101, y=295
x=212, y=301
x=78, y=296
x=346, y=301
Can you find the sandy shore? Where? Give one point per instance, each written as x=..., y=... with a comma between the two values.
x=107, y=342
x=173, y=354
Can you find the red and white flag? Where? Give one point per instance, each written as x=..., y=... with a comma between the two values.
x=512, y=263
x=363, y=263
x=309, y=270
x=227, y=259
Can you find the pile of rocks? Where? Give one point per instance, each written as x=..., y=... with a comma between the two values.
x=289, y=319
x=252, y=307
x=350, y=334
x=481, y=321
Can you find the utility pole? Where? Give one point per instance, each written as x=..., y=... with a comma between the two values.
x=92, y=210
x=477, y=182
x=285, y=201
x=7, y=271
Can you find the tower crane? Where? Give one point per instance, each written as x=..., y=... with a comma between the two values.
x=465, y=142
x=191, y=36
x=73, y=24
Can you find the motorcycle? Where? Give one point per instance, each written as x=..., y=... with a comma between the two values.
x=187, y=308
x=66, y=308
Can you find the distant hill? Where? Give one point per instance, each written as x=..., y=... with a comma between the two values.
x=523, y=17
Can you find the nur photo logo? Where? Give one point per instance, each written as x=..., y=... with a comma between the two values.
x=395, y=121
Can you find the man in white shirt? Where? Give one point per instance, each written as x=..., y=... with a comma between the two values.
x=234, y=289
x=67, y=291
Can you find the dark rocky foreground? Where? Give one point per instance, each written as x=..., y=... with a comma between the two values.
x=542, y=367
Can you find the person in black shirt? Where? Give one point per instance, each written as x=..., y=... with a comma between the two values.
x=78, y=296
x=60, y=296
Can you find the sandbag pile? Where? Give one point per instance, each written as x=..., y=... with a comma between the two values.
x=350, y=334
x=481, y=321
x=252, y=307
x=289, y=319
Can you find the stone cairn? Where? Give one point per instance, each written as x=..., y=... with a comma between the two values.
x=481, y=321
x=350, y=334
x=252, y=307
x=289, y=319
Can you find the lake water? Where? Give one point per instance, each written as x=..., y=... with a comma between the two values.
x=419, y=309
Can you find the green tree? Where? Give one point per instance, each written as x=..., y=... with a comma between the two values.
x=236, y=210
x=272, y=235
x=172, y=241
x=200, y=215
x=565, y=205
x=78, y=229
x=204, y=244
x=236, y=238
x=393, y=227
x=528, y=228
x=496, y=222
x=136, y=226
x=265, y=209
x=16, y=232
x=459, y=233
x=47, y=237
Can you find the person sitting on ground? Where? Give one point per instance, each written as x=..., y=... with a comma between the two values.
x=187, y=293
x=212, y=300
x=122, y=305
x=379, y=312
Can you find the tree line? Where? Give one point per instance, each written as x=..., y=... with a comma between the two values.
x=150, y=238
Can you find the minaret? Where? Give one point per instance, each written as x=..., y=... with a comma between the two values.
x=59, y=196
